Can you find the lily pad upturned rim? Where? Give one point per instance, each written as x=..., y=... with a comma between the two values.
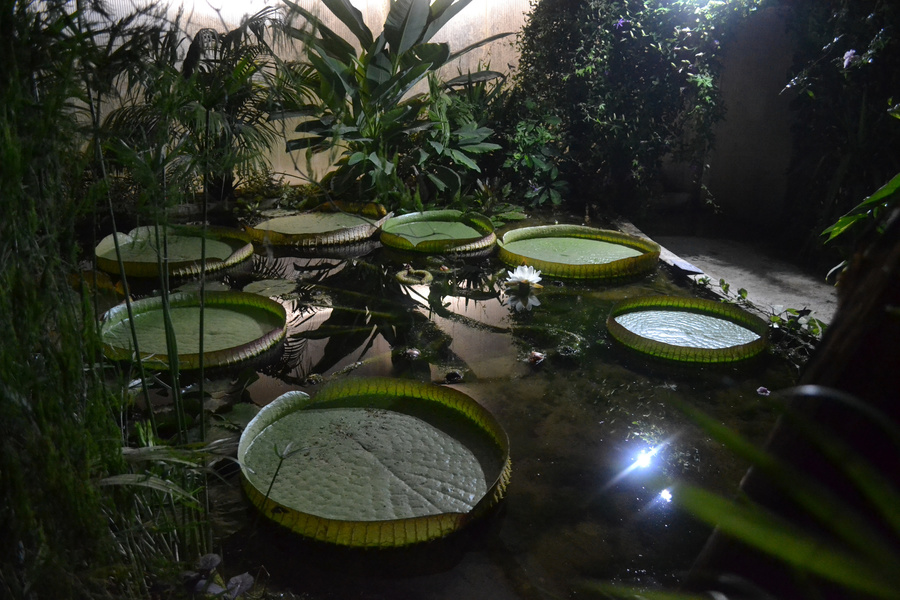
x=477, y=221
x=188, y=361
x=367, y=228
x=721, y=310
x=383, y=392
x=243, y=250
x=625, y=267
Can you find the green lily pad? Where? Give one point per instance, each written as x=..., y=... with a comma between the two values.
x=374, y=462
x=140, y=252
x=237, y=326
x=688, y=329
x=439, y=231
x=316, y=228
x=578, y=252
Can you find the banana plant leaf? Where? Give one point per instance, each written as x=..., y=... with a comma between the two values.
x=578, y=252
x=237, y=326
x=375, y=463
x=439, y=231
x=140, y=251
x=687, y=329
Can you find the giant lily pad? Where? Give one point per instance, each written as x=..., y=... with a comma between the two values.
x=318, y=228
x=578, y=252
x=140, y=250
x=687, y=329
x=439, y=231
x=374, y=462
x=237, y=326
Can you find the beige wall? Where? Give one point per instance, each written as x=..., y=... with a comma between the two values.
x=479, y=20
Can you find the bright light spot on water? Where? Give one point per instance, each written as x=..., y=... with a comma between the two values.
x=644, y=459
x=666, y=495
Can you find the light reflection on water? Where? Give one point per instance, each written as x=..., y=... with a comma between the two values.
x=595, y=439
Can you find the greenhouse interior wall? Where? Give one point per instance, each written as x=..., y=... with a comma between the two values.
x=747, y=167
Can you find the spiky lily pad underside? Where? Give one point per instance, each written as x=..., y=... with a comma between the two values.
x=578, y=252
x=439, y=231
x=375, y=462
x=237, y=326
x=140, y=250
x=687, y=329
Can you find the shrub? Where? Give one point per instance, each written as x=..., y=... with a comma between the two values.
x=629, y=81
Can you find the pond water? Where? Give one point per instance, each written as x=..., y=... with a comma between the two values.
x=596, y=436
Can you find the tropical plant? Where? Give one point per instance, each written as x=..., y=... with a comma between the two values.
x=361, y=107
x=534, y=156
x=627, y=81
x=205, y=111
x=845, y=141
x=58, y=433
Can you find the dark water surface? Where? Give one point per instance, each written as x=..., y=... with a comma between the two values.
x=580, y=506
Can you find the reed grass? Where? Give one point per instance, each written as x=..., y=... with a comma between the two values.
x=77, y=519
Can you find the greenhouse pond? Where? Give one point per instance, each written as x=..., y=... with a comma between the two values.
x=596, y=437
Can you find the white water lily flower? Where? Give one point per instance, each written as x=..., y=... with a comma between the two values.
x=524, y=275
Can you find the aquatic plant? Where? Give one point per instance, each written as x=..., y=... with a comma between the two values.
x=524, y=275
x=426, y=461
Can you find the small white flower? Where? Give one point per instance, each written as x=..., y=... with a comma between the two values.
x=524, y=275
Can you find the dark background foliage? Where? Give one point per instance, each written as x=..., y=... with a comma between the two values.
x=846, y=143
x=630, y=82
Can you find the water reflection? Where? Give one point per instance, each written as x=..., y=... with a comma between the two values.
x=590, y=425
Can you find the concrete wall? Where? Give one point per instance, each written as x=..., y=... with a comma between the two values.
x=479, y=20
x=747, y=172
x=747, y=167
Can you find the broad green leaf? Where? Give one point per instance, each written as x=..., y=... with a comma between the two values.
x=646, y=259
x=571, y=250
x=314, y=126
x=350, y=16
x=439, y=230
x=390, y=92
x=236, y=327
x=817, y=500
x=378, y=70
x=360, y=464
x=434, y=54
x=476, y=77
x=330, y=41
x=461, y=159
x=304, y=143
x=861, y=211
x=334, y=46
x=481, y=147
x=405, y=24
x=682, y=328
x=374, y=462
x=438, y=182
x=440, y=14
x=479, y=44
x=788, y=543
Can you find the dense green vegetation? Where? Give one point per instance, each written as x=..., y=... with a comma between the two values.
x=103, y=117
